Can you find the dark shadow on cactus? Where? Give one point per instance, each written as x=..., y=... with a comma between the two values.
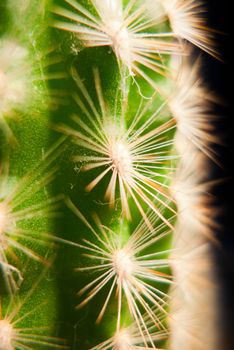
x=79, y=325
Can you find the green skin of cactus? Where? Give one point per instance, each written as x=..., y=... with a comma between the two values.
x=34, y=133
x=32, y=137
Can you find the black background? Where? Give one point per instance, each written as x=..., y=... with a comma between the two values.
x=220, y=78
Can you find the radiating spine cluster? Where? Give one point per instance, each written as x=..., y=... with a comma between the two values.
x=13, y=334
x=141, y=157
x=192, y=259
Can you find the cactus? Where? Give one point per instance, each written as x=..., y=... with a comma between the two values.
x=105, y=220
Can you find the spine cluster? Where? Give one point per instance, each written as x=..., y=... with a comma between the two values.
x=106, y=129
